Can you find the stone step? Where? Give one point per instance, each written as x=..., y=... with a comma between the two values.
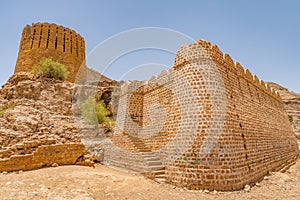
x=125, y=165
x=118, y=164
x=154, y=163
x=160, y=176
x=160, y=180
x=156, y=167
x=158, y=172
x=152, y=158
x=148, y=154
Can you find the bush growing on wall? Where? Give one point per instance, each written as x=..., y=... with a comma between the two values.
x=290, y=118
x=51, y=69
x=9, y=106
x=94, y=112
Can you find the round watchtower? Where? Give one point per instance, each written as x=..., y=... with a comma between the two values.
x=43, y=40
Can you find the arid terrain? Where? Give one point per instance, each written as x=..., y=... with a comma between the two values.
x=102, y=182
x=41, y=126
x=292, y=105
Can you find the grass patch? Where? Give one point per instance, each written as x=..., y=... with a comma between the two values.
x=290, y=118
x=94, y=112
x=9, y=106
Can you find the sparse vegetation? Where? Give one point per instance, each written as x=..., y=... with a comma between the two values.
x=94, y=112
x=290, y=118
x=2, y=111
x=9, y=106
x=51, y=69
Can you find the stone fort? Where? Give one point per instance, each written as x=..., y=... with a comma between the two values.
x=206, y=123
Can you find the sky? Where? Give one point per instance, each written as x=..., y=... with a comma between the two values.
x=263, y=35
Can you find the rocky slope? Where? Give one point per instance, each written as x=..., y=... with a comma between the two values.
x=40, y=121
x=292, y=105
x=37, y=125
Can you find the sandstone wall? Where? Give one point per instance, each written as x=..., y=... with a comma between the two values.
x=212, y=123
x=130, y=108
x=43, y=156
x=43, y=40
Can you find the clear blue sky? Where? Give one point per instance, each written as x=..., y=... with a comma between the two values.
x=263, y=35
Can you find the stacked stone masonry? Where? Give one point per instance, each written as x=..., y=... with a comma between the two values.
x=212, y=123
x=43, y=40
x=43, y=156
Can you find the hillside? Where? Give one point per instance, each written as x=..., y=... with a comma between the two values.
x=292, y=105
x=37, y=124
x=41, y=123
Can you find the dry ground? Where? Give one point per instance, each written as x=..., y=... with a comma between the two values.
x=101, y=182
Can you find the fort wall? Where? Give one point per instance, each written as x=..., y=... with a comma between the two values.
x=212, y=123
x=43, y=40
x=42, y=156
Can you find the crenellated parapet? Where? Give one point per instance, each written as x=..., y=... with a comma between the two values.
x=187, y=54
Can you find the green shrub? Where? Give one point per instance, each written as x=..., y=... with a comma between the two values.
x=88, y=111
x=290, y=118
x=109, y=122
x=2, y=111
x=96, y=113
x=9, y=106
x=51, y=69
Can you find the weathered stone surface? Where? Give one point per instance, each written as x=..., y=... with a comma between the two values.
x=39, y=129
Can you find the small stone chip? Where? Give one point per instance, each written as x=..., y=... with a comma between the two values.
x=54, y=165
x=247, y=188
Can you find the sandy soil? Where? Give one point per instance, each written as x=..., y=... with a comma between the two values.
x=101, y=182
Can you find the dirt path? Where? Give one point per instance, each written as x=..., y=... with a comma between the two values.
x=101, y=182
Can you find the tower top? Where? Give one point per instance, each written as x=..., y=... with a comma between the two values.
x=44, y=40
